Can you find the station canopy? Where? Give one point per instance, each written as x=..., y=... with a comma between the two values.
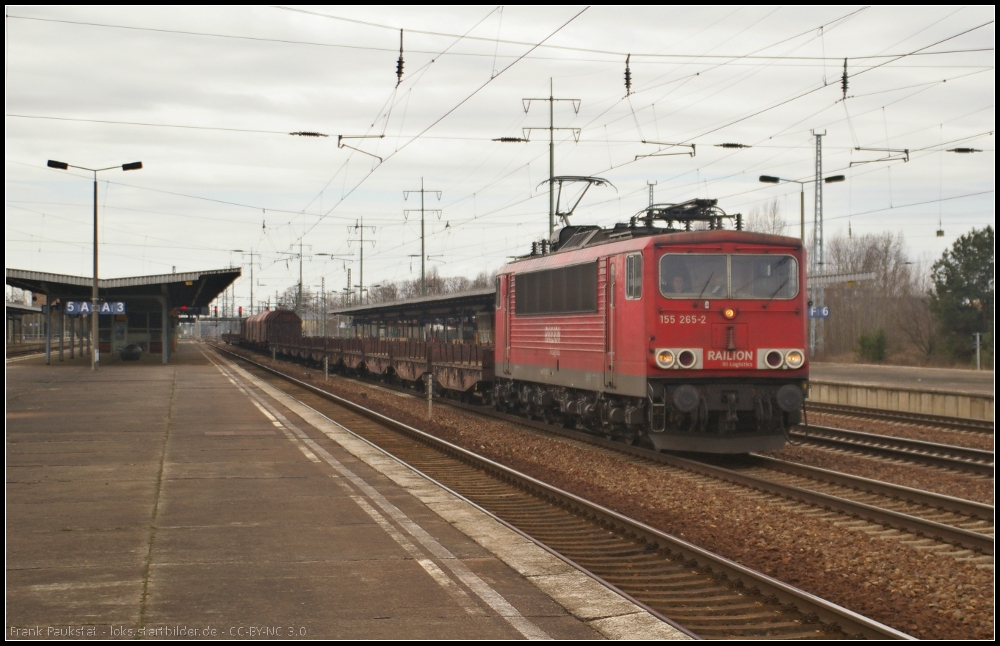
x=192, y=289
x=422, y=308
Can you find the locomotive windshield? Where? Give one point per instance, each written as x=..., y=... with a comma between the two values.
x=691, y=275
x=744, y=276
x=764, y=276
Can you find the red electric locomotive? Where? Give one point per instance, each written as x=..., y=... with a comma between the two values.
x=690, y=340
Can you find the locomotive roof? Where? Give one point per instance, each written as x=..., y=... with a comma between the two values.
x=623, y=239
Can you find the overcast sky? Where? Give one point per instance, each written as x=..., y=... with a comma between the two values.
x=205, y=97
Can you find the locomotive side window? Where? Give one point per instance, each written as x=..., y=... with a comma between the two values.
x=694, y=275
x=633, y=276
x=765, y=276
x=497, y=299
x=566, y=290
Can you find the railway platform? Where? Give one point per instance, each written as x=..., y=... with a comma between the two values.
x=941, y=392
x=977, y=382
x=191, y=500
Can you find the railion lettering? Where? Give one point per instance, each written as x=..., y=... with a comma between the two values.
x=730, y=355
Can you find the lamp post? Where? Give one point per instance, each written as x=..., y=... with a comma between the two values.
x=770, y=179
x=818, y=295
x=95, y=348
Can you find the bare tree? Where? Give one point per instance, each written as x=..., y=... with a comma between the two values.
x=766, y=218
x=917, y=322
x=15, y=295
x=434, y=282
x=864, y=307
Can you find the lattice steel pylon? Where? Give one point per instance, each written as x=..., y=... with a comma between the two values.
x=816, y=324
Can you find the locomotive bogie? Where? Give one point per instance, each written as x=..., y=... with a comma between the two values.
x=708, y=417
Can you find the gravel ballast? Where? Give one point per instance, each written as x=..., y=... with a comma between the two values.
x=928, y=596
x=938, y=480
x=909, y=431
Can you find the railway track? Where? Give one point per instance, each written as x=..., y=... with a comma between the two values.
x=956, y=423
x=941, y=455
x=970, y=526
x=704, y=593
x=962, y=514
x=18, y=351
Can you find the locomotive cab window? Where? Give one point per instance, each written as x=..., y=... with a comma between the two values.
x=764, y=276
x=633, y=277
x=497, y=299
x=694, y=275
x=714, y=276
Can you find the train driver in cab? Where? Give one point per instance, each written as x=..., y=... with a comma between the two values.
x=677, y=285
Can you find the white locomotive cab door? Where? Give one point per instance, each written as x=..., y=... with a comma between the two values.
x=609, y=325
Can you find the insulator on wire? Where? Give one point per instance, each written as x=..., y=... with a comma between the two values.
x=843, y=80
x=628, y=76
x=730, y=145
x=399, y=63
x=510, y=140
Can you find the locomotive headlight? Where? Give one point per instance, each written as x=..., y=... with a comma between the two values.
x=664, y=358
x=773, y=359
x=729, y=313
x=794, y=358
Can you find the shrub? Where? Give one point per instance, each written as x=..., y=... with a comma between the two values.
x=873, y=347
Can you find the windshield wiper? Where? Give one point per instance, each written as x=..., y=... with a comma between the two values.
x=780, y=287
x=777, y=265
x=706, y=285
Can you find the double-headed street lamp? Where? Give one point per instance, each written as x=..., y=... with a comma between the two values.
x=95, y=358
x=817, y=258
x=770, y=179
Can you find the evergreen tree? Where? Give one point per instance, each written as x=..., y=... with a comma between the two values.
x=962, y=297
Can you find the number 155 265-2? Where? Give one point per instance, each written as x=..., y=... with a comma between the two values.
x=683, y=319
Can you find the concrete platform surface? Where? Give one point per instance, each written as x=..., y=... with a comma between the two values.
x=943, y=379
x=194, y=500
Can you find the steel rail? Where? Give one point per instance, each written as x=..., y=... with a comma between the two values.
x=849, y=621
x=17, y=350
x=897, y=520
x=919, y=526
x=942, y=455
x=908, y=494
x=957, y=423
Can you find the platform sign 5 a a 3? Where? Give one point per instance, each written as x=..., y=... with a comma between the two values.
x=84, y=308
x=819, y=312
